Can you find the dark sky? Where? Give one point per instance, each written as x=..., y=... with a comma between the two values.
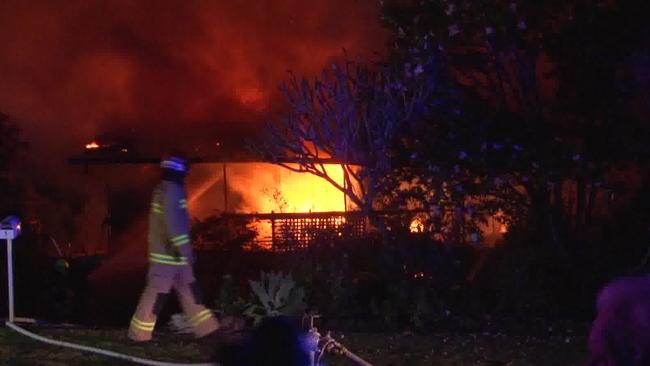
x=157, y=70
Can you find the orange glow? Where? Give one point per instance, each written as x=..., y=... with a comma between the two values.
x=251, y=97
x=92, y=145
x=268, y=188
x=276, y=189
x=263, y=188
x=416, y=226
x=203, y=188
x=503, y=229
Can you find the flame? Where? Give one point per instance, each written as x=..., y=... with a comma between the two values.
x=417, y=225
x=267, y=188
x=92, y=145
x=503, y=229
x=263, y=188
x=276, y=189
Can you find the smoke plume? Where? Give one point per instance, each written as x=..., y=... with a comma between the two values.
x=72, y=70
x=162, y=74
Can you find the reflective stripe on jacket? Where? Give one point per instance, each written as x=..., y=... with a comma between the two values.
x=169, y=225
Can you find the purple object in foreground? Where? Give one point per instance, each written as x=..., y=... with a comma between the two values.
x=620, y=334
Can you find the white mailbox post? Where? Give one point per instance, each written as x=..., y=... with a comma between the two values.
x=9, y=230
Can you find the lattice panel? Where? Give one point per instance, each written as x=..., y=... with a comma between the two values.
x=299, y=232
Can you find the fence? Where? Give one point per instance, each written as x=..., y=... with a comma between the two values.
x=293, y=231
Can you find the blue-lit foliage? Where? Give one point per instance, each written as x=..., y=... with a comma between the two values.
x=520, y=107
x=354, y=114
x=544, y=103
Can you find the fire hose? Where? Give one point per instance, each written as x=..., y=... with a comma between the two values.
x=334, y=346
x=121, y=356
x=10, y=228
x=328, y=344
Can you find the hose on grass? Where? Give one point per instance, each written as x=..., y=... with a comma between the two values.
x=121, y=356
x=143, y=361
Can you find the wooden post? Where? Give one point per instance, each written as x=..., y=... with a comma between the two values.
x=225, y=188
x=272, y=231
x=345, y=197
x=10, y=281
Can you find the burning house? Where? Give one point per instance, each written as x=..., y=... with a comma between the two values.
x=281, y=205
x=280, y=208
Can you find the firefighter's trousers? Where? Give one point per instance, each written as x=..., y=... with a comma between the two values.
x=161, y=279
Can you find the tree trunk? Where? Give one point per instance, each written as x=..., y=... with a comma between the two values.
x=580, y=213
x=591, y=201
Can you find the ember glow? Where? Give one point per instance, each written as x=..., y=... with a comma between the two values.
x=492, y=230
x=92, y=145
x=417, y=225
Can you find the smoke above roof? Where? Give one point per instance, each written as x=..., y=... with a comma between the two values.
x=165, y=72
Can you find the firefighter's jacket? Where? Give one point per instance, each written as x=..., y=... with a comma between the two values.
x=169, y=226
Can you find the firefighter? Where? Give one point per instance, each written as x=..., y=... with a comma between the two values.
x=170, y=259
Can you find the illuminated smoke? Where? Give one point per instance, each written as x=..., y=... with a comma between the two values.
x=163, y=73
x=75, y=69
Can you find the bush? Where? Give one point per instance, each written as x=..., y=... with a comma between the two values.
x=276, y=294
x=222, y=233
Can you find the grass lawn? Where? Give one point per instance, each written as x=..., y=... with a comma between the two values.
x=377, y=348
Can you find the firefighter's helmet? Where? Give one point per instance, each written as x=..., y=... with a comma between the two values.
x=174, y=168
x=175, y=163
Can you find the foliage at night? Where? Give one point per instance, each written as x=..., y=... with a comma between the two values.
x=531, y=112
x=490, y=106
x=215, y=232
x=526, y=115
x=276, y=294
x=354, y=115
x=541, y=93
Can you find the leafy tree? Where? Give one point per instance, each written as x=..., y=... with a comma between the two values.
x=541, y=90
x=354, y=116
x=483, y=107
x=222, y=233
